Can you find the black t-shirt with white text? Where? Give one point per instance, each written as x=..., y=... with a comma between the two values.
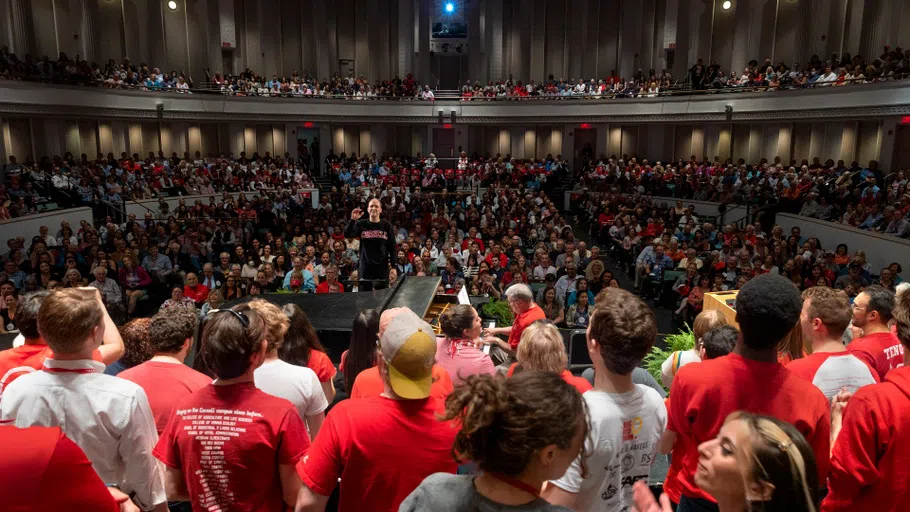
x=377, y=246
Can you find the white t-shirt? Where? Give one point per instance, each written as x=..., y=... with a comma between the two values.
x=298, y=384
x=622, y=443
x=673, y=363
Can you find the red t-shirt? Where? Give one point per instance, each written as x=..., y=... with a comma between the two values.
x=320, y=363
x=381, y=449
x=165, y=384
x=705, y=394
x=522, y=321
x=18, y=361
x=44, y=470
x=580, y=383
x=229, y=441
x=199, y=294
x=672, y=486
x=324, y=288
x=369, y=384
x=882, y=351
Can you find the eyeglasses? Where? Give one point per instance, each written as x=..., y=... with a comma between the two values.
x=243, y=319
x=854, y=306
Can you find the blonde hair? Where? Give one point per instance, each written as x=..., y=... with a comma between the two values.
x=276, y=322
x=705, y=321
x=589, y=272
x=779, y=455
x=541, y=348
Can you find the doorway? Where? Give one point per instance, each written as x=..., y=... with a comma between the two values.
x=901, y=158
x=585, y=145
x=444, y=142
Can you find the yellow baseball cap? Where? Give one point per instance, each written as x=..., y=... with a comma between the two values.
x=408, y=346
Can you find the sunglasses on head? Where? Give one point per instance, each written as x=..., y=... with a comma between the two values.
x=243, y=319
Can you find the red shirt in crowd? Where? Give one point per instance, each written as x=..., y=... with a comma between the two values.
x=381, y=449
x=705, y=394
x=369, y=384
x=18, y=361
x=672, y=486
x=197, y=294
x=522, y=321
x=165, y=384
x=44, y=470
x=579, y=383
x=869, y=460
x=228, y=440
x=320, y=363
x=503, y=260
x=324, y=288
x=882, y=351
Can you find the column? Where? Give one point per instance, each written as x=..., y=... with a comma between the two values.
x=405, y=37
x=21, y=38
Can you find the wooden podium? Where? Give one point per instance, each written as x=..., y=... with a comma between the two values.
x=723, y=301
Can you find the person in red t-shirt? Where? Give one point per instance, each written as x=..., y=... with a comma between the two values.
x=330, y=284
x=715, y=343
x=230, y=446
x=45, y=470
x=164, y=378
x=194, y=290
x=878, y=347
x=521, y=300
x=382, y=447
x=830, y=367
x=30, y=357
x=704, y=394
x=871, y=449
x=301, y=347
x=542, y=350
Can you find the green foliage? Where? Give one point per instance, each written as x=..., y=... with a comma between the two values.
x=500, y=311
x=681, y=341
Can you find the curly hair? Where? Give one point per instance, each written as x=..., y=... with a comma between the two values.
x=168, y=329
x=767, y=308
x=505, y=421
x=137, y=342
x=624, y=327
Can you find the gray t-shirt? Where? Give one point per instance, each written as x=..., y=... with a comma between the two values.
x=443, y=492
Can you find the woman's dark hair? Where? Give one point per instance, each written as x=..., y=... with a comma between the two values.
x=456, y=319
x=505, y=421
x=227, y=344
x=300, y=339
x=362, y=350
x=839, y=248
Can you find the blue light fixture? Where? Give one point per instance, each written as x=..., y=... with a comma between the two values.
x=450, y=7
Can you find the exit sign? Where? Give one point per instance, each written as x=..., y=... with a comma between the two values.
x=905, y=120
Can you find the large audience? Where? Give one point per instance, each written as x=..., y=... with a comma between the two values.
x=215, y=408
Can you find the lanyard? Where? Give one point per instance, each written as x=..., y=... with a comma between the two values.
x=516, y=483
x=68, y=370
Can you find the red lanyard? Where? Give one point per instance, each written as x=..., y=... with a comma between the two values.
x=68, y=370
x=516, y=483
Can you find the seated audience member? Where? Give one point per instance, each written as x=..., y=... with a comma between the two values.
x=261, y=436
x=330, y=284
x=871, y=449
x=521, y=300
x=704, y=394
x=308, y=284
x=578, y=314
x=137, y=347
x=71, y=392
x=178, y=300
x=45, y=470
x=878, y=347
x=165, y=378
x=457, y=351
x=754, y=463
x=825, y=316
x=301, y=347
x=626, y=419
x=361, y=353
x=231, y=289
x=536, y=442
x=298, y=384
x=213, y=302
x=135, y=281
x=581, y=287
x=110, y=292
x=382, y=447
x=195, y=291
x=552, y=307
x=542, y=350
x=370, y=383
x=30, y=356
x=715, y=343
x=704, y=322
